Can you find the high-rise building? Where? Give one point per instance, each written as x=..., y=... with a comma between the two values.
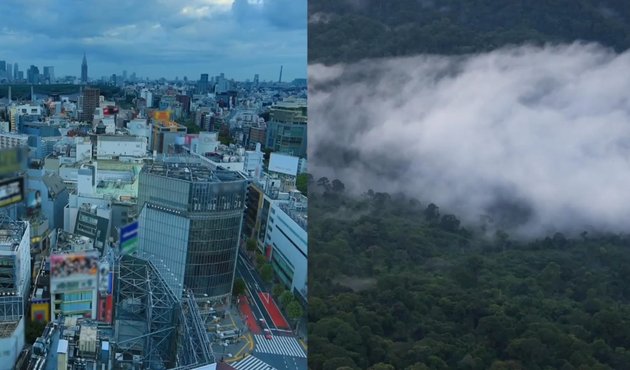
x=202, y=87
x=190, y=220
x=9, y=73
x=89, y=102
x=84, y=70
x=286, y=130
x=3, y=65
x=49, y=74
x=32, y=75
x=16, y=74
x=15, y=281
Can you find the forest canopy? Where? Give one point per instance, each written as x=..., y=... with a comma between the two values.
x=350, y=30
x=395, y=283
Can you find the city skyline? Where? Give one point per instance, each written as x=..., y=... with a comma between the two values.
x=170, y=38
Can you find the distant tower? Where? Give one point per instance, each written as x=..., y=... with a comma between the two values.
x=84, y=72
x=32, y=94
x=10, y=100
x=280, y=79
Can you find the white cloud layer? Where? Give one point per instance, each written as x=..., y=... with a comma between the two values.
x=537, y=138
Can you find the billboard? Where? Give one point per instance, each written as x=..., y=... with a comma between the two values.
x=93, y=227
x=12, y=160
x=11, y=191
x=129, y=238
x=73, y=272
x=104, y=285
x=162, y=115
x=285, y=164
x=105, y=308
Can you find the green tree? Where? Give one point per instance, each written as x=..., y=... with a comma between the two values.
x=278, y=290
x=260, y=261
x=301, y=183
x=294, y=310
x=251, y=245
x=286, y=298
x=266, y=272
x=381, y=366
x=239, y=287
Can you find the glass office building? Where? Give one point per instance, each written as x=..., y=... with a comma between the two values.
x=190, y=223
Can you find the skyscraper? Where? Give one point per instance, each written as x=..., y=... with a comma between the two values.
x=84, y=71
x=89, y=102
x=32, y=75
x=16, y=72
x=190, y=218
x=202, y=88
x=49, y=74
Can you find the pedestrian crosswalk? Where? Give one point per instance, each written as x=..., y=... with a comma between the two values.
x=279, y=345
x=251, y=363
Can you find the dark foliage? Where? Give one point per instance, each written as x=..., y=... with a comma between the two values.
x=349, y=30
x=394, y=283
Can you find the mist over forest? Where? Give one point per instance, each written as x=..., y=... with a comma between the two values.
x=531, y=139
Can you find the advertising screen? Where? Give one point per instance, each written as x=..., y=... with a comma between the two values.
x=11, y=191
x=12, y=160
x=284, y=164
x=73, y=272
x=103, y=277
x=129, y=238
x=162, y=115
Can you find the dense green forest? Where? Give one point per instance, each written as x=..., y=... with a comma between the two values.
x=395, y=284
x=349, y=30
x=23, y=91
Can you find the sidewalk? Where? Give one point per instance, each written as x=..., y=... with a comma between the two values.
x=241, y=347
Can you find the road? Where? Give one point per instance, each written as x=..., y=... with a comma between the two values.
x=252, y=286
x=283, y=351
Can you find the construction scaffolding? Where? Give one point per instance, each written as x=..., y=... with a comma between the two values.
x=153, y=329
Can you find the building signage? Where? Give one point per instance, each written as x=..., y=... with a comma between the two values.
x=129, y=238
x=11, y=191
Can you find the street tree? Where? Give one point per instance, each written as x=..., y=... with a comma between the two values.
x=266, y=273
x=278, y=290
x=239, y=287
x=251, y=245
x=286, y=298
x=294, y=310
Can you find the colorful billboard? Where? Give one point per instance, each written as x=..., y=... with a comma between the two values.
x=11, y=191
x=73, y=272
x=129, y=238
x=40, y=311
x=12, y=160
x=162, y=115
x=104, y=277
x=105, y=308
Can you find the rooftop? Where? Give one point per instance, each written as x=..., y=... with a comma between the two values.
x=189, y=168
x=11, y=233
x=297, y=214
x=72, y=243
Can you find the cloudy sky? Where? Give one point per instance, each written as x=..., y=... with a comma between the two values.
x=536, y=138
x=157, y=38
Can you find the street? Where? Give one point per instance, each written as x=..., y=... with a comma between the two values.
x=283, y=350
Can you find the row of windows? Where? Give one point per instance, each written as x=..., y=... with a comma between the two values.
x=81, y=296
x=76, y=306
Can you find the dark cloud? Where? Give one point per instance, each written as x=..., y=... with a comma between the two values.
x=534, y=139
x=154, y=37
